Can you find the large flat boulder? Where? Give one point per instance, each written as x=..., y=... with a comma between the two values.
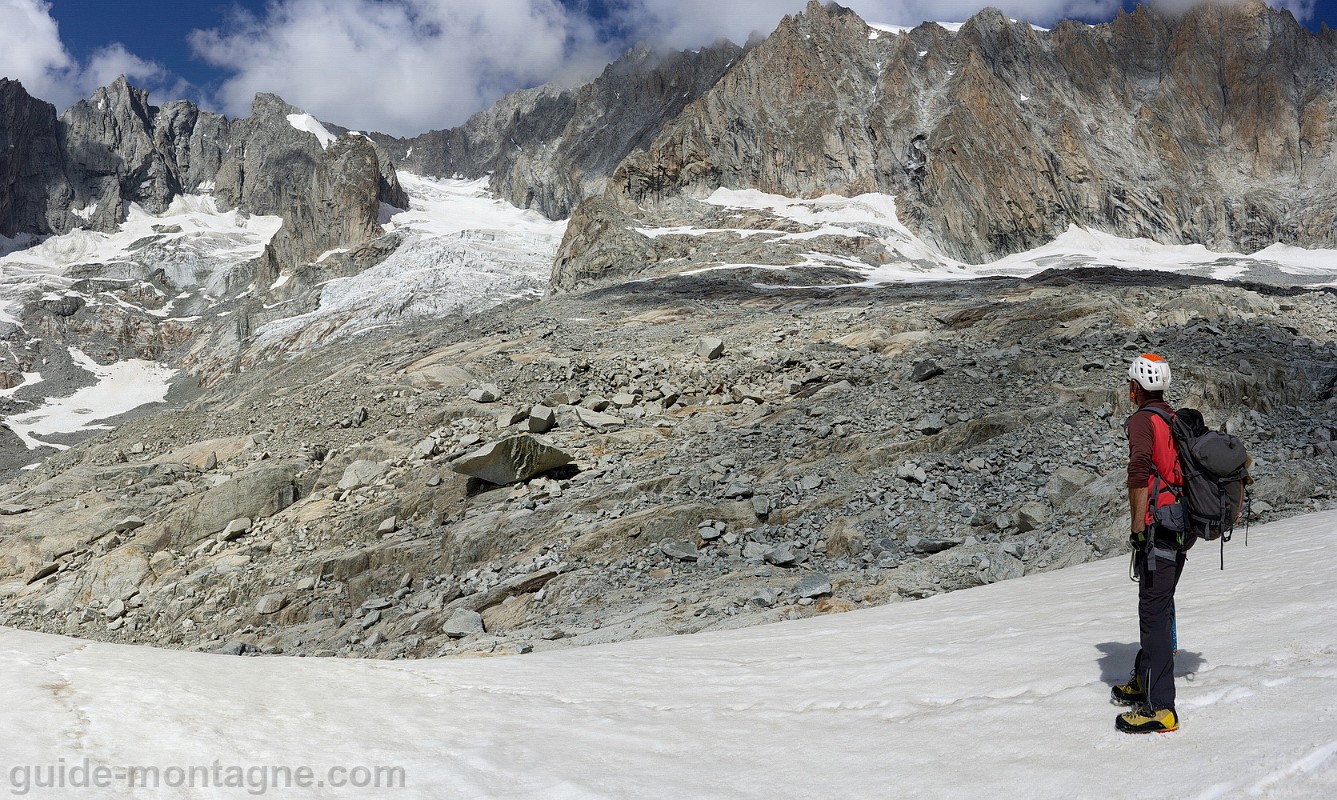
x=257, y=494
x=511, y=460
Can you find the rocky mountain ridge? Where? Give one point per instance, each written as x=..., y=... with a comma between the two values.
x=550, y=148
x=84, y=169
x=1211, y=127
x=170, y=297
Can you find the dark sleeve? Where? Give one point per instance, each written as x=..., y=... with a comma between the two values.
x=1139, y=450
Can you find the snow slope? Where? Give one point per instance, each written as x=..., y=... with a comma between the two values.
x=465, y=250
x=998, y=691
x=120, y=387
x=915, y=259
x=197, y=246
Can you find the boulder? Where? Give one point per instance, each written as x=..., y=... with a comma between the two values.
x=925, y=370
x=256, y=494
x=463, y=623
x=709, y=347
x=487, y=393
x=929, y=424
x=743, y=392
x=1002, y=566
x=542, y=419
x=1066, y=481
x=1031, y=516
x=925, y=545
x=426, y=448
x=115, y=609
x=511, y=460
x=756, y=551
x=599, y=421
x=360, y=473
x=271, y=603
x=764, y=597
x=843, y=538
x=236, y=529
x=682, y=551
x=814, y=585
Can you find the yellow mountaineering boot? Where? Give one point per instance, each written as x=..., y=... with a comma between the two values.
x=1128, y=694
x=1144, y=720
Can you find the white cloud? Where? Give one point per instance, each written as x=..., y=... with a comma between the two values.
x=400, y=66
x=32, y=52
x=114, y=60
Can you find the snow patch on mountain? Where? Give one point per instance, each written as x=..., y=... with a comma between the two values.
x=194, y=215
x=197, y=247
x=120, y=387
x=915, y=259
x=308, y=123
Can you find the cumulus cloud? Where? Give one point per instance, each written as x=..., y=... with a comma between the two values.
x=112, y=61
x=400, y=66
x=32, y=53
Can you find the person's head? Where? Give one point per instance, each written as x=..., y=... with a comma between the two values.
x=1148, y=378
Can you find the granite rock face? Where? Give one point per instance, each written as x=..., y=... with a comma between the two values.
x=1213, y=127
x=34, y=196
x=115, y=153
x=282, y=167
x=548, y=149
x=337, y=205
x=115, y=148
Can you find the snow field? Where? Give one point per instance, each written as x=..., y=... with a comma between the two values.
x=996, y=691
x=120, y=387
x=875, y=214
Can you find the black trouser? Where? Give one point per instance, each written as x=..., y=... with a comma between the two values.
x=1155, y=665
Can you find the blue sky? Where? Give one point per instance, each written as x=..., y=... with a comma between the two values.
x=406, y=66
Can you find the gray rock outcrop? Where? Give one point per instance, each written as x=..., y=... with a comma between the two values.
x=34, y=194
x=115, y=148
x=116, y=152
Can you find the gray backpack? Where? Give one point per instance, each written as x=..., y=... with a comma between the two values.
x=1215, y=468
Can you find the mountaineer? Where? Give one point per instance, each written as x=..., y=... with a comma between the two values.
x=1158, y=557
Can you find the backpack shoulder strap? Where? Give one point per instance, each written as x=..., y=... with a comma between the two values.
x=1160, y=412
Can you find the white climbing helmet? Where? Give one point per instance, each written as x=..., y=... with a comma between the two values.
x=1151, y=372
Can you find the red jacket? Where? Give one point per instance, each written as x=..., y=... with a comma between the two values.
x=1150, y=444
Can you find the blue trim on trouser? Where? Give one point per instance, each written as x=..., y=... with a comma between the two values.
x=1155, y=666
